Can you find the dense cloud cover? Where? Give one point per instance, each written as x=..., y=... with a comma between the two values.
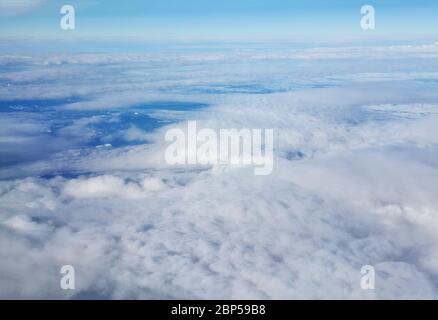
x=84, y=181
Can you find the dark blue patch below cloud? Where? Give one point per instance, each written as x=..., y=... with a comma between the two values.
x=63, y=129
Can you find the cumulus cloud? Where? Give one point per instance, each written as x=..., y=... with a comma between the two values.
x=354, y=181
x=110, y=186
x=25, y=225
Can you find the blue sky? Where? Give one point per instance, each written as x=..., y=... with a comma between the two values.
x=224, y=19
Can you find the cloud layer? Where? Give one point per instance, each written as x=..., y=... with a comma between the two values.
x=84, y=180
x=15, y=7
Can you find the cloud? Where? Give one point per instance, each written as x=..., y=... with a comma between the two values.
x=25, y=225
x=16, y=7
x=354, y=182
x=107, y=186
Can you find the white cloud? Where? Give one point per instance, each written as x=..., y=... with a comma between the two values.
x=25, y=225
x=108, y=186
x=354, y=182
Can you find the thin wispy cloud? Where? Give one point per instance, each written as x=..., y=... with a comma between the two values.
x=17, y=7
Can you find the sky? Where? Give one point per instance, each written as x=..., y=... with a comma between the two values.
x=225, y=19
x=83, y=176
